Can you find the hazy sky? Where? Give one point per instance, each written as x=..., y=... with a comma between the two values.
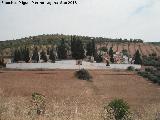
x=103, y=18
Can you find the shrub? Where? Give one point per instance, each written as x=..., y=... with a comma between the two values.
x=83, y=74
x=140, y=73
x=38, y=104
x=145, y=74
x=153, y=78
x=99, y=58
x=158, y=81
x=149, y=69
x=130, y=68
x=117, y=109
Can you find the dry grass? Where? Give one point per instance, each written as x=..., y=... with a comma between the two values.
x=68, y=98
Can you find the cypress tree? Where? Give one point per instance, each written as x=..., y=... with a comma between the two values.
x=26, y=55
x=111, y=55
x=35, y=56
x=43, y=56
x=15, y=57
x=48, y=51
x=73, y=47
x=89, y=49
x=93, y=48
x=138, y=59
x=52, y=55
x=77, y=49
x=62, y=50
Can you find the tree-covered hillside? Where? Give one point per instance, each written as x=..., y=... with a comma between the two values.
x=54, y=39
x=43, y=41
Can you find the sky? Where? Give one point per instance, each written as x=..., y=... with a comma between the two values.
x=138, y=19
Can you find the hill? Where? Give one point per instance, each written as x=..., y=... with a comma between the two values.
x=44, y=41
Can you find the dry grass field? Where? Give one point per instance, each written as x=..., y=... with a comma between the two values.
x=68, y=98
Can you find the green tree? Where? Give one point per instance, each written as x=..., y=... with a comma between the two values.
x=77, y=48
x=2, y=64
x=16, y=56
x=52, y=55
x=125, y=52
x=93, y=48
x=48, y=51
x=138, y=59
x=89, y=49
x=110, y=51
x=62, y=50
x=26, y=55
x=111, y=54
x=35, y=56
x=73, y=47
x=43, y=56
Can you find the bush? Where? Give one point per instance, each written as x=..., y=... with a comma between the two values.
x=117, y=109
x=38, y=104
x=140, y=73
x=152, y=75
x=146, y=74
x=83, y=74
x=99, y=58
x=153, y=78
x=158, y=81
x=149, y=69
x=130, y=68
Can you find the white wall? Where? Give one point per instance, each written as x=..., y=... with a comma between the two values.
x=69, y=64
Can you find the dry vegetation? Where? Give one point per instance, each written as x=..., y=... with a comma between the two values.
x=68, y=98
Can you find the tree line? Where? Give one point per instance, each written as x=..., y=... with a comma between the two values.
x=76, y=49
x=55, y=39
x=61, y=52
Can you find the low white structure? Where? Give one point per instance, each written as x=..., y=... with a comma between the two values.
x=69, y=64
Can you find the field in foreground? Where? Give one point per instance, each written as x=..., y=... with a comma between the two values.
x=73, y=99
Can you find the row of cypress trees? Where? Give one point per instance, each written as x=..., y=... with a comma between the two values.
x=23, y=54
x=77, y=51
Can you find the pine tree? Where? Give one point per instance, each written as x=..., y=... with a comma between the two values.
x=43, y=56
x=138, y=59
x=35, y=56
